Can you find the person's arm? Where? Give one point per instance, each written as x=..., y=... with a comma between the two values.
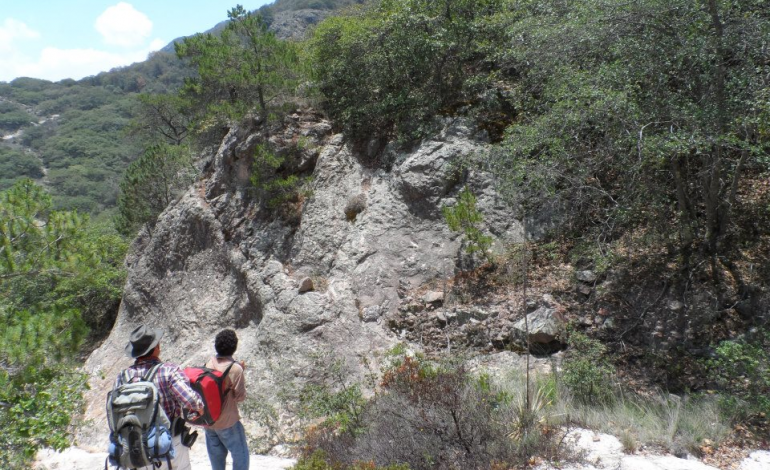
x=184, y=394
x=238, y=384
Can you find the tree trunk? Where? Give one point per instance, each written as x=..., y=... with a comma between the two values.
x=717, y=212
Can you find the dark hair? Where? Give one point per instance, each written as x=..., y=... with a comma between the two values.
x=226, y=342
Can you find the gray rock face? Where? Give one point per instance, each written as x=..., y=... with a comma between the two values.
x=217, y=260
x=295, y=24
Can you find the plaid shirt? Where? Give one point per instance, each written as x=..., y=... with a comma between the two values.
x=173, y=386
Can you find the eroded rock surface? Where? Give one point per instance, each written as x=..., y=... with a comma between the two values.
x=217, y=259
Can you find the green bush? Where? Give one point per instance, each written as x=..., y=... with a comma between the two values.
x=61, y=277
x=586, y=371
x=15, y=165
x=741, y=370
x=13, y=118
x=391, y=67
x=465, y=218
x=150, y=183
x=276, y=180
x=430, y=415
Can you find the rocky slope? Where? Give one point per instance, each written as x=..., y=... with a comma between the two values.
x=294, y=291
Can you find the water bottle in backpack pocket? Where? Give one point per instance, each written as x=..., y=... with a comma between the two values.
x=140, y=433
x=159, y=446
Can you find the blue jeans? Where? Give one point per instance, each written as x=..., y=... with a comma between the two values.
x=232, y=439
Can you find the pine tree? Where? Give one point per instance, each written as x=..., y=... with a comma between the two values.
x=52, y=265
x=244, y=68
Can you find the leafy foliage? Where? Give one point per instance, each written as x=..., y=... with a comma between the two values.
x=36, y=412
x=54, y=267
x=741, y=369
x=15, y=165
x=151, y=183
x=637, y=112
x=587, y=372
x=12, y=117
x=465, y=218
x=395, y=65
x=243, y=68
x=275, y=178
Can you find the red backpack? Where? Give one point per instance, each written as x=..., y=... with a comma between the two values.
x=210, y=385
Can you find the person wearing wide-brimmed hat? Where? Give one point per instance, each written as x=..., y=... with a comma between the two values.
x=173, y=386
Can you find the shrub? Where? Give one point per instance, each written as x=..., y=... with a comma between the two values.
x=464, y=217
x=277, y=182
x=390, y=67
x=355, y=206
x=587, y=372
x=433, y=415
x=151, y=183
x=741, y=369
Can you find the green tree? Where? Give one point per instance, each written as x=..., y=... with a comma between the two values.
x=51, y=265
x=393, y=66
x=465, y=218
x=244, y=68
x=151, y=183
x=638, y=113
x=161, y=118
x=12, y=117
x=15, y=165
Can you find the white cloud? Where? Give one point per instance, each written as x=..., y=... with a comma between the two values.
x=122, y=25
x=157, y=44
x=11, y=30
x=56, y=64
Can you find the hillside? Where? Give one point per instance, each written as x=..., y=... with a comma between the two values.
x=71, y=135
x=73, y=138
x=447, y=234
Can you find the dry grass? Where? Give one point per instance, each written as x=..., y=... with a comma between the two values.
x=670, y=422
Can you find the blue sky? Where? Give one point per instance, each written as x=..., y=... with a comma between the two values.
x=57, y=39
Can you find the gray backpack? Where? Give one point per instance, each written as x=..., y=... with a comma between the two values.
x=139, y=428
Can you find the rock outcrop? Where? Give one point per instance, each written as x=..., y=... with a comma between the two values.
x=218, y=259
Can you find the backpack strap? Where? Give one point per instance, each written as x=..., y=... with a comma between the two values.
x=224, y=377
x=227, y=371
x=150, y=374
x=147, y=377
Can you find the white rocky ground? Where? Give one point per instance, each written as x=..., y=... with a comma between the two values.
x=81, y=458
x=597, y=452
x=605, y=452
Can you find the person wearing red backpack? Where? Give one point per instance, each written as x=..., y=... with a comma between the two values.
x=176, y=396
x=227, y=433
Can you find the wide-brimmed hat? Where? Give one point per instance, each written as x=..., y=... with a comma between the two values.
x=143, y=340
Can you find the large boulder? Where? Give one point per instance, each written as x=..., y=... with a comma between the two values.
x=543, y=330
